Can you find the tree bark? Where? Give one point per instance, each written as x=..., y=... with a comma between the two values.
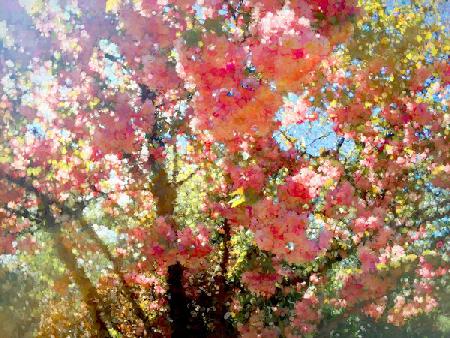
x=222, y=328
x=179, y=314
x=87, y=290
x=166, y=194
x=137, y=310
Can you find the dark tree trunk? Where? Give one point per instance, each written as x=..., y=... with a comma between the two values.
x=222, y=327
x=178, y=303
x=184, y=323
x=181, y=320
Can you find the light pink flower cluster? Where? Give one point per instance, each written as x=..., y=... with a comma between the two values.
x=283, y=232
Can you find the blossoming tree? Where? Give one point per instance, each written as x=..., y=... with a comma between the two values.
x=231, y=168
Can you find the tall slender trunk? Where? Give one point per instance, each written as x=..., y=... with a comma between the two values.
x=182, y=323
x=136, y=308
x=88, y=291
x=179, y=314
x=222, y=328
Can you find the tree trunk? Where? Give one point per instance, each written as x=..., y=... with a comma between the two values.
x=166, y=194
x=222, y=328
x=87, y=290
x=179, y=314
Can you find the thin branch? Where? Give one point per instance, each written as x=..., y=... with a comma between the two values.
x=321, y=137
x=287, y=138
x=23, y=213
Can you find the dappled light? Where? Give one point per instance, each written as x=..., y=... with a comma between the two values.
x=242, y=168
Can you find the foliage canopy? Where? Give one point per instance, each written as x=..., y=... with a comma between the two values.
x=255, y=168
